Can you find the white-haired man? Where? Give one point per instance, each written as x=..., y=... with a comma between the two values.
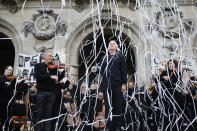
x=113, y=69
x=47, y=87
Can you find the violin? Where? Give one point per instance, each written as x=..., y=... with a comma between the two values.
x=55, y=65
x=12, y=77
x=18, y=120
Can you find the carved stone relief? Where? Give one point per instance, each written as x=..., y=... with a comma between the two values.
x=40, y=49
x=171, y=24
x=80, y=5
x=45, y=25
x=11, y=5
x=132, y=4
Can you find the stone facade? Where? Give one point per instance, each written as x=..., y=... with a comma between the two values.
x=142, y=24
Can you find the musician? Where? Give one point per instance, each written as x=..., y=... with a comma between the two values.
x=32, y=99
x=113, y=69
x=170, y=80
x=73, y=89
x=6, y=92
x=99, y=118
x=57, y=109
x=81, y=101
x=170, y=76
x=67, y=99
x=72, y=119
x=47, y=87
x=21, y=89
x=91, y=104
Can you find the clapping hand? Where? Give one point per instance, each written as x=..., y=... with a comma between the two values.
x=166, y=78
x=94, y=69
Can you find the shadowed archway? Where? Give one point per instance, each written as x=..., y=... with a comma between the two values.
x=91, y=52
x=83, y=35
x=7, y=52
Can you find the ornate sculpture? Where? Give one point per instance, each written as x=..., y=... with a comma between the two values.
x=45, y=25
x=132, y=4
x=170, y=23
x=80, y=5
x=11, y=5
x=41, y=49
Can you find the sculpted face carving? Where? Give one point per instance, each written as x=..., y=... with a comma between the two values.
x=44, y=23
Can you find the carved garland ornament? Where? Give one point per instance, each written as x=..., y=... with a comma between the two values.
x=44, y=25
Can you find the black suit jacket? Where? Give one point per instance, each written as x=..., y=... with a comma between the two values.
x=113, y=70
x=43, y=78
x=6, y=92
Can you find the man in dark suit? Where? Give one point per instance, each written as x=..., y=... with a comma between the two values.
x=113, y=69
x=47, y=86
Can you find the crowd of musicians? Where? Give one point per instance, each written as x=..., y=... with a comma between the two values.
x=56, y=102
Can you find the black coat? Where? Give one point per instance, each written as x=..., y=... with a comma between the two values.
x=174, y=79
x=6, y=92
x=173, y=95
x=43, y=78
x=21, y=90
x=113, y=70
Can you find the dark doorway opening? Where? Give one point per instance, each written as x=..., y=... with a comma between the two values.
x=7, y=52
x=92, y=51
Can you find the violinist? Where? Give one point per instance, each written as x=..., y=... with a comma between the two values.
x=170, y=78
x=170, y=81
x=47, y=86
x=6, y=92
x=21, y=89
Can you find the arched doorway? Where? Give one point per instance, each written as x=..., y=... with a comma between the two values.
x=7, y=52
x=84, y=31
x=92, y=50
x=7, y=30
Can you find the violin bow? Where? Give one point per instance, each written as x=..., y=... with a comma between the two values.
x=74, y=66
x=71, y=74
